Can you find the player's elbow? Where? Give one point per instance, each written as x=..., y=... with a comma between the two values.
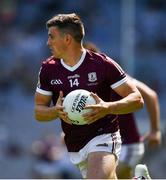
x=38, y=118
x=154, y=95
x=151, y=98
x=37, y=115
x=139, y=102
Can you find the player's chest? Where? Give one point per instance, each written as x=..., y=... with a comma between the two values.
x=89, y=80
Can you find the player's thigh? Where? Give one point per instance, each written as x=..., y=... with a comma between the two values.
x=101, y=165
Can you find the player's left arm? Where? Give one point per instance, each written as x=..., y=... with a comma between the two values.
x=131, y=99
x=130, y=102
x=152, y=105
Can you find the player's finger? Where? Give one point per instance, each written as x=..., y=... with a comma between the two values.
x=67, y=121
x=97, y=99
x=65, y=118
x=95, y=106
x=91, y=119
x=89, y=114
x=59, y=108
x=60, y=98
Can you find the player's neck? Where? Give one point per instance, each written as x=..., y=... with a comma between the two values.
x=73, y=56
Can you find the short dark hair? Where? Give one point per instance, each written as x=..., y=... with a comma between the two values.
x=68, y=23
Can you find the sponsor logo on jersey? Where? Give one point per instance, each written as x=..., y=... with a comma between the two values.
x=92, y=77
x=56, y=82
x=73, y=76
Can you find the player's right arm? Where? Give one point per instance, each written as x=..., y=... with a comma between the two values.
x=43, y=109
x=45, y=112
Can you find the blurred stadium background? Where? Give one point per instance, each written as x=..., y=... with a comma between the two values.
x=133, y=32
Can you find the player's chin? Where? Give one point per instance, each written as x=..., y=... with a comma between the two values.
x=53, y=52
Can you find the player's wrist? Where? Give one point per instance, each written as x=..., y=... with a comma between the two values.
x=54, y=112
x=112, y=107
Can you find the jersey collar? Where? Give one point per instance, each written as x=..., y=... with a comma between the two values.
x=73, y=68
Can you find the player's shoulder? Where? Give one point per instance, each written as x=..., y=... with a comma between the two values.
x=99, y=56
x=49, y=61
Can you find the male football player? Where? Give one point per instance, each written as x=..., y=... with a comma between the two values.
x=93, y=147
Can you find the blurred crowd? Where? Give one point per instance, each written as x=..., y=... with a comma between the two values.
x=23, y=38
x=50, y=159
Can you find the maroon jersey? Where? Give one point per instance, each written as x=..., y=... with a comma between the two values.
x=94, y=72
x=128, y=129
x=127, y=124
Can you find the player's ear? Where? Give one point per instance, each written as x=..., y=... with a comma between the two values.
x=68, y=38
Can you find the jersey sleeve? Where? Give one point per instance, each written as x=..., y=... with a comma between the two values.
x=115, y=73
x=43, y=86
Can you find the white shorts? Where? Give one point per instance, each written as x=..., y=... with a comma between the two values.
x=131, y=154
x=105, y=142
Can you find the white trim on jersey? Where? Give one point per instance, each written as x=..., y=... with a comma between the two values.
x=116, y=65
x=41, y=91
x=115, y=85
x=73, y=68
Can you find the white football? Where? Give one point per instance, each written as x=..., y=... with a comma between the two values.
x=74, y=104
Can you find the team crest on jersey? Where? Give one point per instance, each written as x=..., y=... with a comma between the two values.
x=92, y=77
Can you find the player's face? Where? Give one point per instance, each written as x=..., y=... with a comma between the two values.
x=56, y=42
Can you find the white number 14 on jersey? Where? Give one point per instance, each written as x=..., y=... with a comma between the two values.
x=73, y=82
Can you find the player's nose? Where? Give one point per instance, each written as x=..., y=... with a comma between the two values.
x=48, y=43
